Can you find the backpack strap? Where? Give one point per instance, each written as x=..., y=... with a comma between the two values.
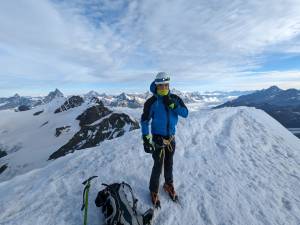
x=113, y=190
x=134, y=200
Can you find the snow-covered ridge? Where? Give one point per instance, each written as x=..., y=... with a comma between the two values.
x=29, y=138
x=232, y=166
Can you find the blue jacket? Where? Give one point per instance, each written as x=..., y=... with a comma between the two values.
x=163, y=119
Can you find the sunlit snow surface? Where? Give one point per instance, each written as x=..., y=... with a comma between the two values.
x=34, y=136
x=232, y=166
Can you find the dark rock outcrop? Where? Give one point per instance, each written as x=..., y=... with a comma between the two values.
x=44, y=123
x=38, y=112
x=97, y=124
x=2, y=153
x=95, y=100
x=72, y=102
x=59, y=130
x=22, y=108
x=93, y=114
x=2, y=168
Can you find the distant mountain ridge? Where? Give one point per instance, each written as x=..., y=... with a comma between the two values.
x=121, y=100
x=138, y=100
x=283, y=105
x=272, y=96
x=17, y=101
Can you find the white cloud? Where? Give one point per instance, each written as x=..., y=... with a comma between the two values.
x=200, y=34
x=42, y=41
x=259, y=80
x=115, y=41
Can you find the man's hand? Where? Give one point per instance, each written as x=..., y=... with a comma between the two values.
x=148, y=146
x=169, y=102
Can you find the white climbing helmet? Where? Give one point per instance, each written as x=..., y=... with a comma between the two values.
x=162, y=78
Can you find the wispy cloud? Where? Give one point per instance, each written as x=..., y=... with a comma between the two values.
x=115, y=41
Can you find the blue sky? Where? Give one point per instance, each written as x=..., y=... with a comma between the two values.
x=119, y=45
x=280, y=62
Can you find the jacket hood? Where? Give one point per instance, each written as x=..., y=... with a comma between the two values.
x=153, y=88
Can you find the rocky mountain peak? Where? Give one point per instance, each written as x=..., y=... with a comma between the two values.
x=273, y=88
x=53, y=94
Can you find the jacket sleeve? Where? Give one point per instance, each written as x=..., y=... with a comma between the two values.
x=181, y=108
x=146, y=116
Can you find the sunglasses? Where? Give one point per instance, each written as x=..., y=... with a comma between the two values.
x=162, y=85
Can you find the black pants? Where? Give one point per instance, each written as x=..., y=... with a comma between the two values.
x=162, y=156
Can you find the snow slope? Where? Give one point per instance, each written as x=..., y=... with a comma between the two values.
x=232, y=166
x=30, y=139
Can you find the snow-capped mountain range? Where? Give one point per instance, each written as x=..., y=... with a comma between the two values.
x=231, y=166
x=137, y=100
x=22, y=103
x=17, y=101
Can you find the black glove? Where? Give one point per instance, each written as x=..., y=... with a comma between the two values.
x=169, y=102
x=148, y=146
